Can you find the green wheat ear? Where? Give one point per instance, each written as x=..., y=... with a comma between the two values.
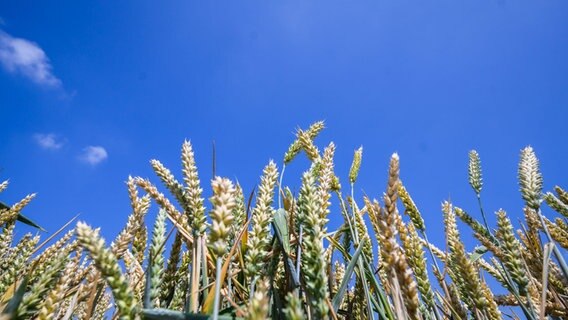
x=530, y=178
x=193, y=191
x=262, y=214
x=556, y=204
x=512, y=258
x=411, y=209
x=106, y=263
x=355, y=165
x=474, y=170
x=296, y=146
x=313, y=263
x=31, y=302
x=464, y=271
x=157, y=257
x=293, y=310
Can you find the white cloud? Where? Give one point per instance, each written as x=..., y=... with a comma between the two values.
x=22, y=56
x=49, y=141
x=94, y=155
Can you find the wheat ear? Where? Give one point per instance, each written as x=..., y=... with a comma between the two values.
x=108, y=266
x=296, y=146
x=262, y=214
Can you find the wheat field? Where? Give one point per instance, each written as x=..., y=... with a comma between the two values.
x=268, y=252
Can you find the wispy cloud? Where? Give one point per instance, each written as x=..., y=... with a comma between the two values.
x=49, y=141
x=93, y=155
x=27, y=58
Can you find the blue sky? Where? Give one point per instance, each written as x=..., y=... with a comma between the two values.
x=89, y=93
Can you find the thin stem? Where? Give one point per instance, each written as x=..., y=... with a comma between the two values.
x=195, y=274
x=370, y=313
x=345, y=213
x=483, y=213
x=299, y=251
x=205, y=272
x=356, y=233
x=280, y=186
x=217, y=289
x=355, y=211
x=438, y=316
